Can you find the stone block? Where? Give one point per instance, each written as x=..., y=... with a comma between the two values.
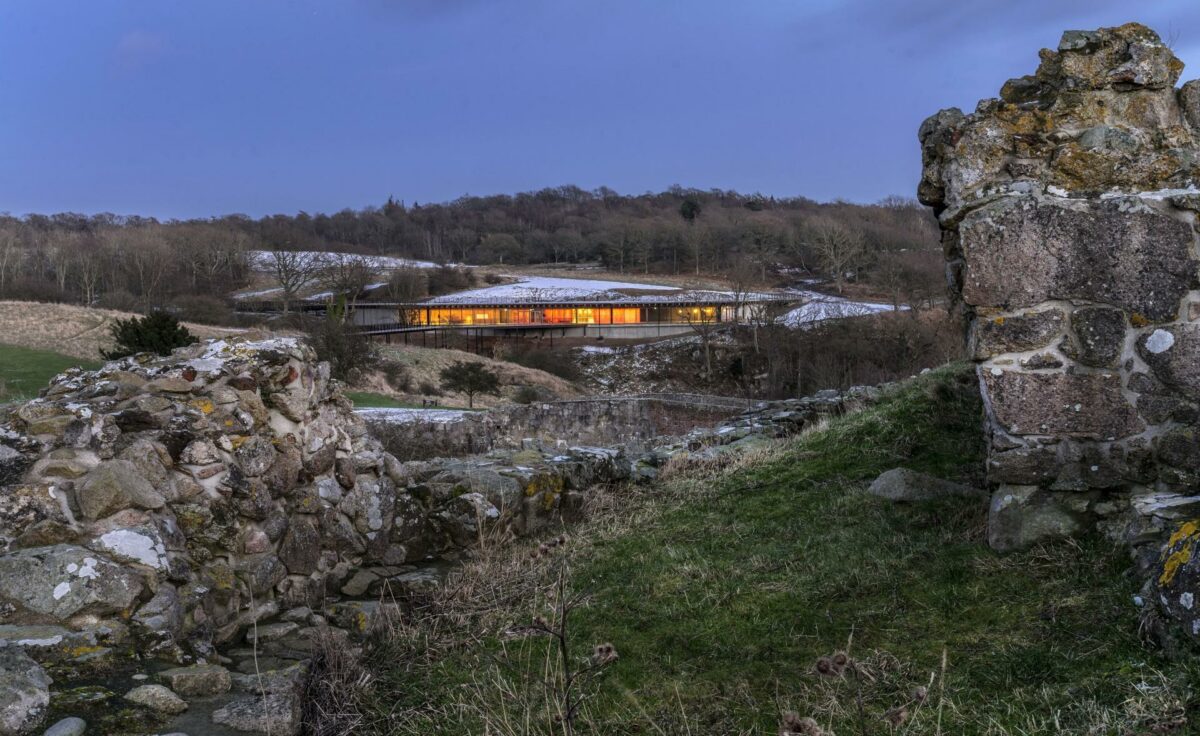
x=1022, y=251
x=1087, y=406
x=1017, y=333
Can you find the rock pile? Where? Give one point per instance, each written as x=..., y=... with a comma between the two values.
x=1068, y=213
x=159, y=508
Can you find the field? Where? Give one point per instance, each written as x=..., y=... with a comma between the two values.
x=24, y=371
x=80, y=332
x=723, y=587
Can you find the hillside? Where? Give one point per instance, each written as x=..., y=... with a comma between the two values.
x=722, y=587
x=422, y=367
x=80, y=332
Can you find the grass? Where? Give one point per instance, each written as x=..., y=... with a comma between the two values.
x=370, y=400
x=25, y=371
x=721, y=588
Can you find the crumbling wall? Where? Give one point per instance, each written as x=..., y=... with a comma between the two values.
x=1068, y=214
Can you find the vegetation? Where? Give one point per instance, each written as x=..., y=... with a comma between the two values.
x=349, y=353
x=470, y=378
x=721, y=599
x=137, y=263
x=371, y=400
x=157, y=332
x=25, y=371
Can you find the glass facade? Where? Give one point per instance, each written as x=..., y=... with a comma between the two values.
x=591, y=315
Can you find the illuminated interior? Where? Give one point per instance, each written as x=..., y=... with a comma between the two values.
x=591, y=315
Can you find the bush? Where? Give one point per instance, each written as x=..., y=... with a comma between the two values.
x=349, y=352
x=120, y=300
x=447, y=279
x=554, y=362
x=428, y=389
x=157, y=332
x=209, y=310
x=397, y=375
x=470, y=378
x=526, y=395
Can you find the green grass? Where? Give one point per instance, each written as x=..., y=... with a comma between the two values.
x=25, y=371
x=369, y=400
x=720, y=590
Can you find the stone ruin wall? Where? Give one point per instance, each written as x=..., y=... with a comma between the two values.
x=158, y=507
x=1068, y=210
x=631, y=424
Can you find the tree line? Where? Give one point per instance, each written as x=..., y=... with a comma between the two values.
x=132, y=262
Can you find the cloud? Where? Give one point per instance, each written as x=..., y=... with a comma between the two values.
x=137, y=49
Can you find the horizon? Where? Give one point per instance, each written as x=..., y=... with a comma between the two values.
x=173, y=112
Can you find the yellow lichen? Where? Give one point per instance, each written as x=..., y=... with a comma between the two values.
x=1137, y=319
x=1184, y=538
x=205, y=406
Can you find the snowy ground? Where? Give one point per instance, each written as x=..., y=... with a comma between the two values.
x=820, y=307
x=549, y=289
x=260, y=260
x=406, y=416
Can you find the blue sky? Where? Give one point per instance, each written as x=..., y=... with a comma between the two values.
x=191, y=109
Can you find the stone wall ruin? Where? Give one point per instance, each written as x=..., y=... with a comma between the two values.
x=1068, y=210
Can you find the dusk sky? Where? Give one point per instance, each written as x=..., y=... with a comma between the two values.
x=192, y=109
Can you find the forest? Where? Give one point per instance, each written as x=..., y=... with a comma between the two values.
x=138, y=263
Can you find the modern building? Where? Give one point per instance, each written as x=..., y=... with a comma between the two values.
x=569, y=308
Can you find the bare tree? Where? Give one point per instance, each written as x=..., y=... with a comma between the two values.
x=293, y=271
x=11, y=256
x=345, y=275
x=838, y=248
x=703, y=321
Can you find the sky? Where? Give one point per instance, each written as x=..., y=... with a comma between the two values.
x=178, y=109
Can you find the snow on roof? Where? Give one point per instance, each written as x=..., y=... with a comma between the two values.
x=260, y=260
x=820, y=307
x=549, y=289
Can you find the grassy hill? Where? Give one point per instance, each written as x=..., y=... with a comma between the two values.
x=422, y=368
x=24, y=372
x=723, y=586
x=79, y=332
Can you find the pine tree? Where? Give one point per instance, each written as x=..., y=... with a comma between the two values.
x=157, y=332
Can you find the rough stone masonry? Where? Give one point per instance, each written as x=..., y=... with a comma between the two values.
x=1068, y=210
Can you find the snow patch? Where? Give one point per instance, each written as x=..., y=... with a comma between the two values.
x=406, y=416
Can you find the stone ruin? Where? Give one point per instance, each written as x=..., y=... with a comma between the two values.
x=159, y=508
x=190, y=520
x=1068, y=210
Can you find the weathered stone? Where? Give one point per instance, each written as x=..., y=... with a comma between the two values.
x=68, y=727
x=1016, y=333
x=277, y=714
x=115, y=485
x=64, y=580
x=198, y=680
x=902, y=484
x=1064, y=252
x=1173, y=352
x=255, y=456
x=261, y=572
x=344, y=471
x=1061, y=404
x=1100, y=333
x=301, y=547
x=1021, y=516
x=24, y=692
x=157, y=698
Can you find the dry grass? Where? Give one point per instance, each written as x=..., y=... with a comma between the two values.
x=424, y=366
x=80, y=332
